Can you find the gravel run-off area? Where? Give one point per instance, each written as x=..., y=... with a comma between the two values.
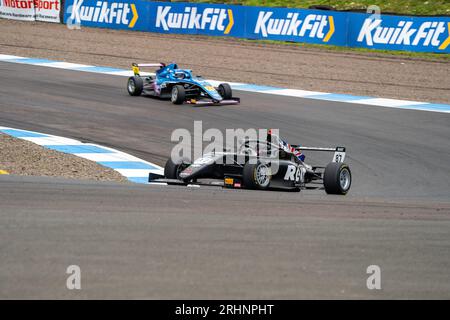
x=21, y=157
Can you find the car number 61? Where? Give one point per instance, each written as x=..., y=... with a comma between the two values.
x=339, y=156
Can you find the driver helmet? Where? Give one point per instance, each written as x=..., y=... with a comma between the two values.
x=180, y=75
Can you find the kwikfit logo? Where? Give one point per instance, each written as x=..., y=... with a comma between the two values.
x=214, y=19
x=104, y=12
x=427, y=34
x=313, y=25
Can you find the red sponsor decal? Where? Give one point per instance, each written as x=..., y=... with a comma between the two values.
x=30, y=4
x=46, y=4
x=19, y=4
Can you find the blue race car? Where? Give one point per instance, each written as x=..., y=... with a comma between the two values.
x=178, y=85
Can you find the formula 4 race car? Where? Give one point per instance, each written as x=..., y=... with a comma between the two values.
x=253, y=167
x=178, y=85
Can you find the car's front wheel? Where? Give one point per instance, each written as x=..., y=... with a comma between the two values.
x=135, y=86
x=337, y=178
x=173, y=169
x=256, y=176
x=225, y=91
x=178, y=94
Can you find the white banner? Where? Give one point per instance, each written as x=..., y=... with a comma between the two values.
x=47, y=10
x=31, y=10
x=17, y=9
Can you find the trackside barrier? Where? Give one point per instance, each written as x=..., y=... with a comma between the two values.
x=387, y=32
x=31, y=10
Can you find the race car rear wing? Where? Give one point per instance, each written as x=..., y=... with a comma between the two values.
x=341, y=149
x=339, y=152
x=136, y=66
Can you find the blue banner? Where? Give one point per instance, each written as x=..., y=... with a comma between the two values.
x=123, y=14
x=204, y=19
x=428, y=34
x=297, y=25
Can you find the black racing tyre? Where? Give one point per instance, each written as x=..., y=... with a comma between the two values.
x=256, y=176
x=173, y=169
x=337, y=178
x=178, y=95
x=135, y=86
x=225, y=91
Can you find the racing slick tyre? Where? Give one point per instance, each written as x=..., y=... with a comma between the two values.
x=256, y=176
x=225, y=91
x=135, y=86
x=178, y=94
x=337, y=178
x=173, y=169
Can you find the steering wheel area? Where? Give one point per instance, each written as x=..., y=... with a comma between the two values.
x=246, y=150
x=180, y=75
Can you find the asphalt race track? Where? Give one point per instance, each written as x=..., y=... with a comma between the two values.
x=136, y=241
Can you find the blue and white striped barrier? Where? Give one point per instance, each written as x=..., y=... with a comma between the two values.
x=360, y=100
x=134, y=169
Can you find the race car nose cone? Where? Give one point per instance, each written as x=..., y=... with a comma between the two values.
x=186, y=173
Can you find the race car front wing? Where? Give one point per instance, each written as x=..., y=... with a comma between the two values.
x=214, y=102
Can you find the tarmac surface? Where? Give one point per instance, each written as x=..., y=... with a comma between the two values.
x=173, y=242
x=296, y=66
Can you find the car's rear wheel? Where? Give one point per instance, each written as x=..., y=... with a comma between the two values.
x=135, y=86
x=178, y=94
x=337, y=178
x=256, y=176
x=173, y=169
x=225, y=91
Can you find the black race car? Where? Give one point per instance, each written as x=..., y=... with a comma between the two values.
x=263, y=165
